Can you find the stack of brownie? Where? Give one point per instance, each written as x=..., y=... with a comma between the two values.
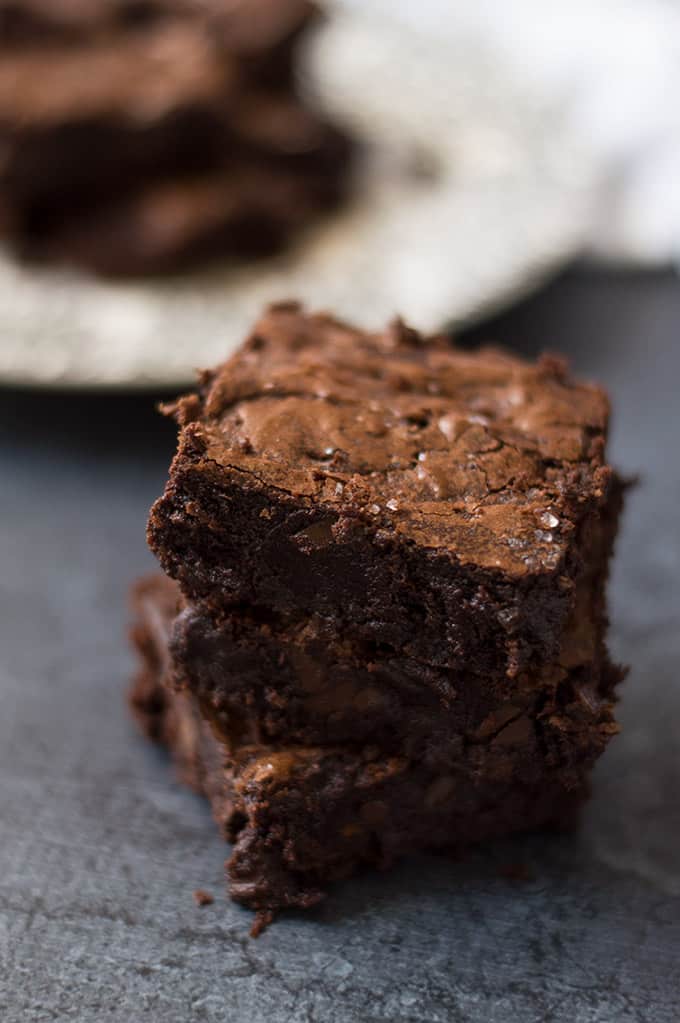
x=386, y=629
x=139, y=135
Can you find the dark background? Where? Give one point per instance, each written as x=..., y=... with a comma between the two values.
x=100, y=849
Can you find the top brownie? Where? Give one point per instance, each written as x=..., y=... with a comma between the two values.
x=426, y=499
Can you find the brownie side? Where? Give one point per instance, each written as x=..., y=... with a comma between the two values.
x=154, y=604
x=300, y=817
x=260, y=680
x=425, y=498
x=563, y=716
x=164, y=717
x=251, y=694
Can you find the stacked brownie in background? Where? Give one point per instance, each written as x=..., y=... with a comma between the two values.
x=137, y=136
x=387, y=630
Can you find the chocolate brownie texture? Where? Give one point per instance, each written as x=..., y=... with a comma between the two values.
x=261, y=681
x=110, y=121
x=301, y=816
x=439, y=505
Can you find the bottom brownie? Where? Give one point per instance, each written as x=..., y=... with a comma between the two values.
x=300, y=817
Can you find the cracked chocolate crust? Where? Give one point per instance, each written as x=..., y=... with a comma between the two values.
x=435, y=501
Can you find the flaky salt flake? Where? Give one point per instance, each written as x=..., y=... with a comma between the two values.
x=393, y=505
x=374, y=509
x=515, y=396
x=448, y=425
x=549, y=520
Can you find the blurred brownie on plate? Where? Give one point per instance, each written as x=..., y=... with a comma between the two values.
x=137, y=137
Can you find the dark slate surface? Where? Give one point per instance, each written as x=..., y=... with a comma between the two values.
x=100, y=850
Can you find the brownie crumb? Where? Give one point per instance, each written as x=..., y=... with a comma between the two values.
x=141, y=137
x=203, y=898
x=262, y=921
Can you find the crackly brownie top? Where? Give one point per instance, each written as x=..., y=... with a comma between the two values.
x=481, y=455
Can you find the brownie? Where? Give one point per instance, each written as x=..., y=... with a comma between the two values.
x=250, y=210
x=137, y=137
x=262, y=682
x=302, y=816
x=440, y=505
x=112, y=112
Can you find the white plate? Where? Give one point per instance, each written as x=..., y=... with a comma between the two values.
x=509, y=200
